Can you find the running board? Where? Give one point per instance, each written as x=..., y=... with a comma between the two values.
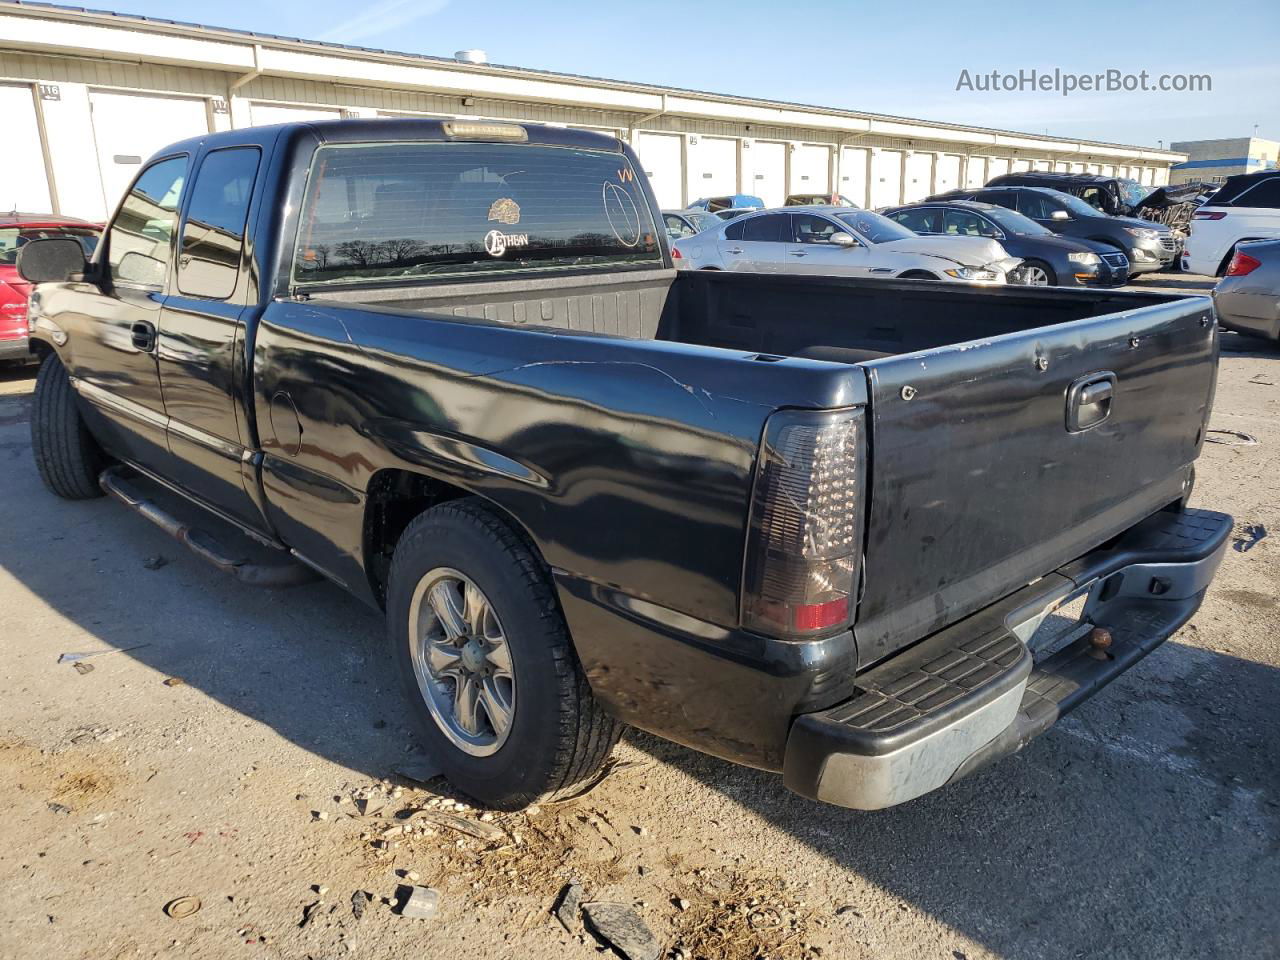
x=203, y=544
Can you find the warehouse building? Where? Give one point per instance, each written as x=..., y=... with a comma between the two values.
x=87, y=96
x=1215, y=160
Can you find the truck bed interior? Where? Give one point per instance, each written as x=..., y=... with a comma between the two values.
x=837, y=319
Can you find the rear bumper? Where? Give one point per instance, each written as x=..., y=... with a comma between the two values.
x=18, y=348
x=975, y=692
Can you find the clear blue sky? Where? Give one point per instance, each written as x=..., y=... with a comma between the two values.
x=901, y=57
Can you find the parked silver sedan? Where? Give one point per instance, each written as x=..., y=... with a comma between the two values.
x=1247, y=297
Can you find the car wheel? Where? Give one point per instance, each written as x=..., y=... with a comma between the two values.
x=68, y=458
x=1037, y=273
x=486, y=661
x=917, y=275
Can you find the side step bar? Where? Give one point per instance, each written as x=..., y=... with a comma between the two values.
x=204, y=545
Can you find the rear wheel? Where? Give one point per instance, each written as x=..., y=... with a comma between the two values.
x=67, y=456
x=487, y=663
x=1037, y=273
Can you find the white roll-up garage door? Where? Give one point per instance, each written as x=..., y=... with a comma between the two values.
x=810, y=168
x=1043, y=165
x=853, y=174
x=886, y=178
x=975, y=172
x=997, y=167
x=129, y=127
x=919, y=180
x=1021, y=166
x=766, y=164
x=24, y=182
x=713, y=166
x=661, y=155
x=267, y=113
x=946, y=175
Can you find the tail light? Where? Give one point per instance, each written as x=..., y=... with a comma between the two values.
x=1208, y=215
x=676, y=254
x=1242, y=264
x=805, y=538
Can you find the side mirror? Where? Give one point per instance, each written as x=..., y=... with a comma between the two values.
x=1059, y=215
x=842, y=239
x=52, y=260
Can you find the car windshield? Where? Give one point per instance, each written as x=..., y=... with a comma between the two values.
x=703, y=221
x=874, y=228
x=1074, y=204
x=1132, y=192
x=12, y=239
x=1014, y=222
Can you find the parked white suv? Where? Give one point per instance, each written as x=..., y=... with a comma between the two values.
x=1246, y=207
x=838, y=241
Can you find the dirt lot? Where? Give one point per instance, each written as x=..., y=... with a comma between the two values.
x=1145, y=825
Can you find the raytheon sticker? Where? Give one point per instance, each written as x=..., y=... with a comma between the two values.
x=496, y=242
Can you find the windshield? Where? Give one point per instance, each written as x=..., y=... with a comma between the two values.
x=704, y=221
x=381, y=211
x=14, y=238
x=1014, y=222
x=1132, y=192
x=874, y=228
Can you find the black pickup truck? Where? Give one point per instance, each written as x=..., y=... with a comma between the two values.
x=817, y=526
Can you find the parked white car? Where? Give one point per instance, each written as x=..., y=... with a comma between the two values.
x=838, y=241
x=1246, y=207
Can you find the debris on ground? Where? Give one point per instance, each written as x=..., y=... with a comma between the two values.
x=83, y=668
x=85, y=655
x=319, y=815
x=420, y=771
x=370, y=806
x=156, y=562
x=1231, y=438
x=182, y=907
x=308, y=912
x=173, y=681
x=472, y=828
x=568, y=907
x=1249, y=537
x=620, y=927
x=58, y=808
x=734, y=917
x=418, y=903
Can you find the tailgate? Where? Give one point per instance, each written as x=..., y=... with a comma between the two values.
x=977, y=486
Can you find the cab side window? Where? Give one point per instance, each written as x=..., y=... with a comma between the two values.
x=920, y=221
x=213, y=233
x=139, y=242
x=1036, y=206
x=806, y=228
x=768, y=228
x=962, y=223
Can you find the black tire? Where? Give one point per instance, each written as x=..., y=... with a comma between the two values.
x=1048, y=270
x=559, y=735
x=67, y=456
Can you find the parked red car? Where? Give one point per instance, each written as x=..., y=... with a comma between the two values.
x=17, y=229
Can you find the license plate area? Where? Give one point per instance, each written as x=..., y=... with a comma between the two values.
x=1063, y=626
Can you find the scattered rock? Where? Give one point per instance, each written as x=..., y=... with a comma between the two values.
x=82, y=668
x=681, y=903
x=641, y=831
x=419, y=903
x=370, y=806
x=620, y=927
x=320, y=889
x=847, y=908
x=359, y=900
x=567, y=908
x=182, y=907
x=319, y=815
x=58, y=808
x=156, y=562
x=308, y=912
x=174, y=681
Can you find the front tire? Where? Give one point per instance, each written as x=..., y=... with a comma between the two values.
x=1037, y=273
x=67, y=456
x=486, y=660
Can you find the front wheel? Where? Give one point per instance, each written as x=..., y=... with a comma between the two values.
x=67, y=456
x=1037, y=273
x=486, y=661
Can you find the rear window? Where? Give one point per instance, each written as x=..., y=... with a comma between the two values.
x=14, y=238
x=401, y=210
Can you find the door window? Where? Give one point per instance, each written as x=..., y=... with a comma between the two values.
x=213, y=233
x=139, y=240
x=920, y=221
x=768, y=228
x=677, y=228
x=1265, y=194
x=962, y=223
x=1003, y=198
x=806, y=228
x=1036, y=205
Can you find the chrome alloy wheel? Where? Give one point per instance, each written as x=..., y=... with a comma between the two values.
x=1034, y=276
x=461, y=661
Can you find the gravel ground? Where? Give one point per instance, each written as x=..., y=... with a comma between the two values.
x=1145, y=825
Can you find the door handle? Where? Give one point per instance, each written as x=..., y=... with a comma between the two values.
x=734, y=250
x=1089, y=401
x=798, y=253
x=144, y=335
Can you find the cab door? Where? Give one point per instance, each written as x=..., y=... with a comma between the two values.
x=201, y=348
x=112, y=323
x=756, y=244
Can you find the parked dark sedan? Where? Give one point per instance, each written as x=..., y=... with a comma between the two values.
x=1149, y=246
x=1048, y=260
x=1247, y=297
